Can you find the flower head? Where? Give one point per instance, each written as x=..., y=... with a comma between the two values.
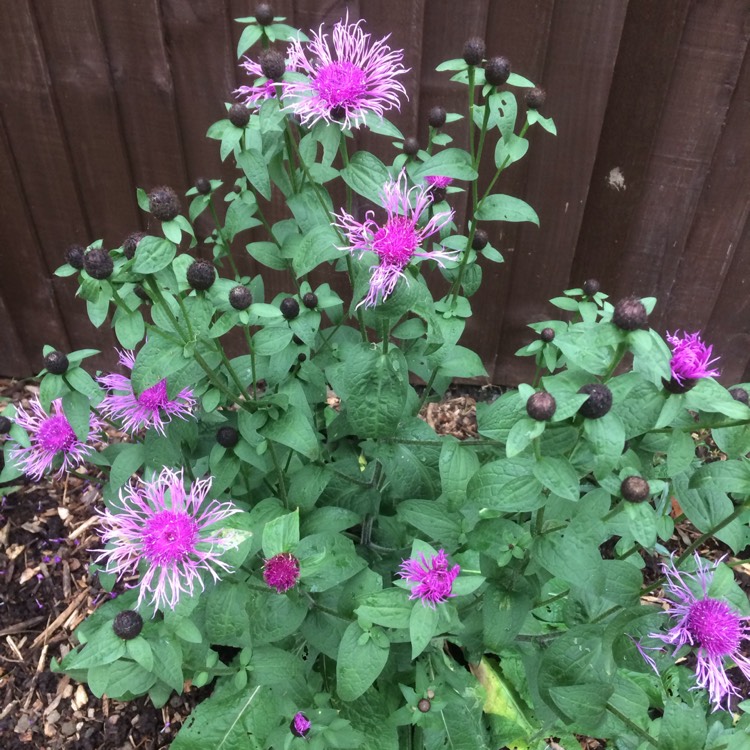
x=691, y=358
x=263, y=88
x=711, y=626
x=433, y=578
x=438, y=181
x=347, y=77
x=397, y=241
x=300, y=725
x=52, y=437
x=166, y=528
x=281, y=572
x=153, y=408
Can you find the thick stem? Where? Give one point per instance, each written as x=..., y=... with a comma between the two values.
x=223, y=239
x=279, y=472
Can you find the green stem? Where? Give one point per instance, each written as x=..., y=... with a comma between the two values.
x=183, y=310
x=551, y=599
x=165, y=306
x=360, y=314
x=539, y=521
x=232, y=372
x=251, y=348
x=427, y=389
x=642, y=733
x=225, y=244
x=386, y=336
x=277, y=466
x=289, y=140
x=619, y=354
x=736, y=513
x=186, y=462
x=503, y=166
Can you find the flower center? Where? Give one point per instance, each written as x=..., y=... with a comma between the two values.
x=340, y=84
x=170, y=537
x=56, y=434
x=439, y=583
x=154, y=397
x=396, y=242
x=715, y=627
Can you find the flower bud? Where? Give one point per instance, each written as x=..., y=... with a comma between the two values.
x=591, y=287
x=56, y=363
x=481, y=238
x=635, y=489
x=598, y=403
x=541, y=406
x=338, y=113
x=437, y=194
x=5, y=425
x=130, y=244
x=474, y=50
x=297, y=340
x=227, y=436
x=497, y=70
x=98, y=264
x=424, y=705
x=437, y=116
x=203, y=185
x=741, y=395
x=547, y=335
x=164, y=203
x=239, y=115
x=675, y=386
x=630, y=314
x=141, y=293
x=201, y=274
x=300, y=725
x=127, y=624
x=272, y=64
x=263, y=14
x=74, y=256
x=535, y=98
x=289, y=308
x=411, y=146
x=240, y=297
x=301, y=357
x=310, y=301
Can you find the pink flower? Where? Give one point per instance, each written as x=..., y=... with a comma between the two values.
x=153, y=408
x=262, y=89
x=399, y=240
x=167, y=529
x=711, y=626
x=437, y=181
x=281, y=572
x=433, y=578
x=691, y=358
x=346, y=79
x=300, y=725
x=51, y=437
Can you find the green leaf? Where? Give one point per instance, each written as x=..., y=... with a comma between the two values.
x=250, y=34
x=326, y=560
x=583, y=705
x=423, y=624
x=159, y=358
x=103, y=648
x=390, y=608
x=359, y=663
x=570, y=558
x=226, y=614
x=523, y=432
x=240, y=216
x=127, y=462
x=154, y=253
x=317, y=246
x=276, y=617
x=294, y=430
x=129, y=327
x=140, y=651
x=253, y=165
x=366, y=175
x=506, y=485
x=433, y=519
x=505, y=208
x=77, y=411
x=558, y=476
x=682, y=727
x=281, y=534
x=457, y=465
x=268, y=254
x=450, y=162
x=121, y=680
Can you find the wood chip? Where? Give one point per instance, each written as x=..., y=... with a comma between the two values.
x=53, y=626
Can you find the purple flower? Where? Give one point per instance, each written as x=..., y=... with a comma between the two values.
x=51, y=437
x=262, y=89
x=166, y=528
x=281, y=571
x=300, y=725
x=399, y=239
x=434, y=580
x=346, y=79
x=153, y=408
x=437, y=181
x=711, y=626
x=691, y=358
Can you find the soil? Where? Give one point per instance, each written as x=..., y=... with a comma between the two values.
x=46, y=532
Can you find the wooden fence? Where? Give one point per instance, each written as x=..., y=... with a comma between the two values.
x=647, y=186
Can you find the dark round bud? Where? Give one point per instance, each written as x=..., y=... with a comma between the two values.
x=164, y=203
x=5, y=425
x=411, y=146
x=424, y=705
x=131, y=243
x=127, y=625
x=239, y=115
x=481, y=238
x=98, y=264
x=201, y=274
x=547, y=335
x=437, y=116
x=240, y=297
x=310, y=300
x=272, y=64
x=437, y=194
x=227, y=436
x=338, y=113
x=535, y=98
x=297, y=340
x=741, y=395
x=541, y=406
x=56, y=363
x=674, y=386
x=598, y=403
x=74, y=256
x=635, y=489
x=264, y=14
x=300, y=725
x=141, y=293
x=591, y=287
x=630, y=314
x=289, y=308
x=497, y=70
x=474, y=50
x=301, y=357
x=203, y=185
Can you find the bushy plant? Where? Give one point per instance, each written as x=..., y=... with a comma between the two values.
x=300, y=538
